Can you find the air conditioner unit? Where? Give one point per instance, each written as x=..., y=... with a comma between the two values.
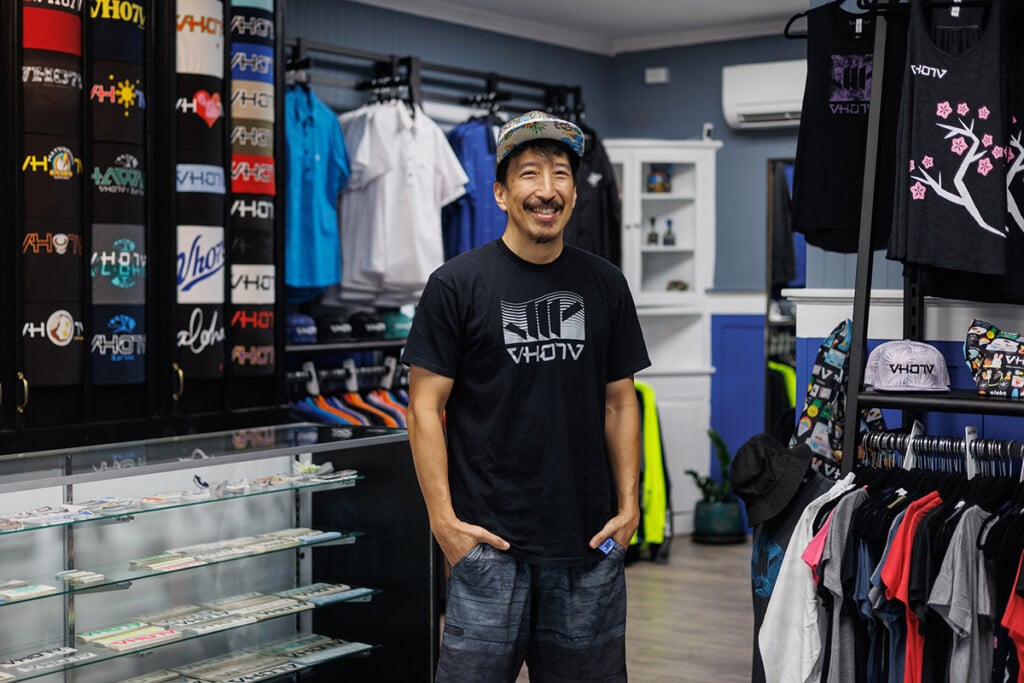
x=764, y=95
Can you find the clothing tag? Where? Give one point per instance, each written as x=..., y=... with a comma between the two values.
x=955, y=11
x=859, y=28
x=607, y=546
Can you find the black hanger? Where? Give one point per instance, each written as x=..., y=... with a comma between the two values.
x=788, y=33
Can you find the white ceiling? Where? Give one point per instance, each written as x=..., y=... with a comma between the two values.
x=611, y=26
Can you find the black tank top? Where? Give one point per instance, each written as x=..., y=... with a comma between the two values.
x=954, y=146
x=828, y=175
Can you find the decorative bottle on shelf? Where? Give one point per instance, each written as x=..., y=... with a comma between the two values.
x=669, y=239
x=652, y=236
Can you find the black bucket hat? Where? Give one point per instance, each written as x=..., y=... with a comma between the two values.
x=766, y=475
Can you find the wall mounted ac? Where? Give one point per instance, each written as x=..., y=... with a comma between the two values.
x=764, y=95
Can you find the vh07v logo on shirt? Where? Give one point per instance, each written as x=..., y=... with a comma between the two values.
x=201, y=259
x=545, y=329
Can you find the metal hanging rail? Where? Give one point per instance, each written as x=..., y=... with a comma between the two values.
x=554, y=97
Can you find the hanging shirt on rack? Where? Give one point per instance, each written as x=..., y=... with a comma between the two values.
x=474, y=219
x=953, y=142
x=317, y=171
x=961, y=596
x=827, y=188
x=391, y=208
x=596, y=222
x=790, y=638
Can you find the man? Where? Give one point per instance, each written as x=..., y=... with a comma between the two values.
x=524, y=350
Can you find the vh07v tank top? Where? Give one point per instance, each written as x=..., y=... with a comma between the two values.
x=954, y=144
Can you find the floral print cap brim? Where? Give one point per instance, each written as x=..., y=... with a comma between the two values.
x=534, y=125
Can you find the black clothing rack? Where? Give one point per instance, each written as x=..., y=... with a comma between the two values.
x=450, y=83
x=955, y=401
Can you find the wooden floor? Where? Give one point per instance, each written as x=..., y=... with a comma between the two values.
x=689, y=621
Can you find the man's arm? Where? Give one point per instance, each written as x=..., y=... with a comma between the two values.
x=428, y=394
x=622, y=438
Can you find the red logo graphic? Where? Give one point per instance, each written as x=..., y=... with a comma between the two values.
x=208, y=106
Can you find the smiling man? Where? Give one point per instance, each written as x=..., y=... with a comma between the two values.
x=524, y=349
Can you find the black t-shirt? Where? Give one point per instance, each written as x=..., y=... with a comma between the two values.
x=827, y=188
x=52, y=176
x=118, y=30
x=200, y=107
x=118, y=99
x=52, y=336
x=199, y=339
x=117, y=344
x=52, y=88
x=252, y=339
x=52, y=256
x=531, y=349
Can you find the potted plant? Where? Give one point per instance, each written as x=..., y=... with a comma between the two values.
x=717, y=517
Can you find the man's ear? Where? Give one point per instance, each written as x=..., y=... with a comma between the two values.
x=499, y=196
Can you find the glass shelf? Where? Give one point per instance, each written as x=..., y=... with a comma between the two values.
x=662, y=249
x=353, y=345
x=21, y=472
x=671, y=196
x=119, y=575
x=94, y=655
x=127, y=516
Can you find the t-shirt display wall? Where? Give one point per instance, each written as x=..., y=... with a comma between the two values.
x=253, y=274
x=202, y=258
x=106, y=86
x=52, y=329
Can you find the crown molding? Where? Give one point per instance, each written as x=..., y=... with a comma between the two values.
x=490, y=21
x=707, y=34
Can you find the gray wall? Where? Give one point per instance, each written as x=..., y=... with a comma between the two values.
x=363, y=27
x=618, y=105
x=679, y=109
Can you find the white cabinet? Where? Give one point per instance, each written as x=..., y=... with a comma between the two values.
x=665, y=183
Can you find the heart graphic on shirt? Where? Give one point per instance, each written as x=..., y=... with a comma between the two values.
x=208, y=106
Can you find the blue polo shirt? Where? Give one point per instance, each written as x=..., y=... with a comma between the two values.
x=474, y=219
x=317, y=171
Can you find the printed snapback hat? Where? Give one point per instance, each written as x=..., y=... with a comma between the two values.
x=906, y=365
x=535, y=125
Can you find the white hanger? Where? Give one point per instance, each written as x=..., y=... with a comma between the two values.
x=910, y=457
x=970, y=436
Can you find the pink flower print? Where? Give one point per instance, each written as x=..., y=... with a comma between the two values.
x=983, y=113
x=917, y=190
x=997, y=151
x=986, y=140
x=927, y=162
x=911, y=164
x=1009, y=154
x=962, y=109
x=943, y=110
x=959, y=145
x=984, y=166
